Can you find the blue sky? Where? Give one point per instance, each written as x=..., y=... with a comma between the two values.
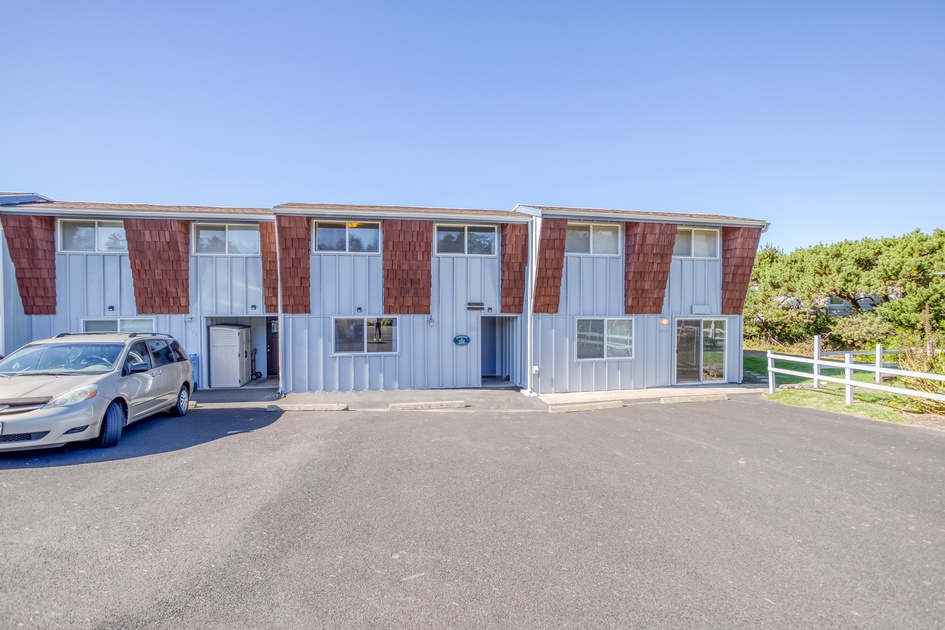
x=825, y=118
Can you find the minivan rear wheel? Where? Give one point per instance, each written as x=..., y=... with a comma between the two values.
x=183, y=402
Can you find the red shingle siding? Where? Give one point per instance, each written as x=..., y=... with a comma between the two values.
x=159, y=251
x=739, y=246
x=514, y=262
x=408, y=266
x=295, y=264
x=550, y=265
x=270, y=267
x=649, y=255
x=32, y=244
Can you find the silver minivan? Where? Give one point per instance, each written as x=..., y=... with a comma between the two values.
x=88, y=386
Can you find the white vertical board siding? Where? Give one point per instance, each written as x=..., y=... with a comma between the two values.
x=560, y=371
x=310, y=366
x=343, y=282
x=511, y=332
x=693, y=283
x=592, y=286
x=226, y=285
x=734, y=349
x=426, y=357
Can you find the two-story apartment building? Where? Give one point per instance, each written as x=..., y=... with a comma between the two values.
x=345, y=297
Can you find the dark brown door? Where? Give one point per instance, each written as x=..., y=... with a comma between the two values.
x=272, y=346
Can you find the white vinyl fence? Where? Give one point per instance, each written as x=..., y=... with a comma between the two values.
x=848, y=367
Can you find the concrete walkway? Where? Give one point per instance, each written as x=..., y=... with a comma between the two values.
x=511, y=399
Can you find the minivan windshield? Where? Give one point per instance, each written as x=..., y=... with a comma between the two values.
x=60, y=359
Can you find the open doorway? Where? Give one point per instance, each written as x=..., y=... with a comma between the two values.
x=497, y=351
x=272, y=346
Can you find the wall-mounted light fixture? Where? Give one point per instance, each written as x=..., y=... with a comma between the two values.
x=253, y=307
x=111, y=309
x=664, y=321
x=359, y=309
x=189, y=319
x=430, y=321
x=489, y=310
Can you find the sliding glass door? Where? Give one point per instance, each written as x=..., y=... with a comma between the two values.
x=700, y=350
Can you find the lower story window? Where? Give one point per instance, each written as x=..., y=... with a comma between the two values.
x=365, y=335
x=604, y=339
x=121, y=324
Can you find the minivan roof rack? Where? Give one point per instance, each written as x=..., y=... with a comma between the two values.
x=114, y=332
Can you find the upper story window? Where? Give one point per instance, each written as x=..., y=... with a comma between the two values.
x=468, y=240
x=226, y=239
x=92, y=236
x=595, y=240
x=351, y=237
x=696, y=243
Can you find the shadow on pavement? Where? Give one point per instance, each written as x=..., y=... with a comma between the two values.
x=159, y=434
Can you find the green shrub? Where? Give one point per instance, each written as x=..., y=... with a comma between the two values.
x=858, y=332
x=923, y=353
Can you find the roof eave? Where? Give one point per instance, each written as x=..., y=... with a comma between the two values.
x=349, y=212
x=132, y=214
x=629, y=216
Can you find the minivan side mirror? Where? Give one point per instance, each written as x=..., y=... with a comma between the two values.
x=138, y=368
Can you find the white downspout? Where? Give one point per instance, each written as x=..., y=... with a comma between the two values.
x=275, y=223
x=534, y=233
x=3, y=269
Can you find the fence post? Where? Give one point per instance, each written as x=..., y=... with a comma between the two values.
x=848, y=375
x=816, y=360
x=879, y=363
x=770, y=374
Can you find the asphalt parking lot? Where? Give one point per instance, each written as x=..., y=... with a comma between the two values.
x=733, y=514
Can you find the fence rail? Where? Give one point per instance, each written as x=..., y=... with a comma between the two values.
x=849, y=367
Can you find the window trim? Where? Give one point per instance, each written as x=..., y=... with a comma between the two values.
x=692, y=242
x=226, y=239
x=590, y=226
x=347, y=222
x=633, y=334
x=465, y=227
x=363, y=353
x=118, y=321
x=60, y=244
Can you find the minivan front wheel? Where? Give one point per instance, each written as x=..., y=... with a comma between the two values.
x=112, y=424
x=183, y=402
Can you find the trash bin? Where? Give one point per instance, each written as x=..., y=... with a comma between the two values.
x=195, y=361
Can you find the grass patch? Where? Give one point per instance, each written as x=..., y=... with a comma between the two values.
x=832, y=398
x=758, y=363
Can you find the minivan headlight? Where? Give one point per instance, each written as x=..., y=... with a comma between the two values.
x=73, y=397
